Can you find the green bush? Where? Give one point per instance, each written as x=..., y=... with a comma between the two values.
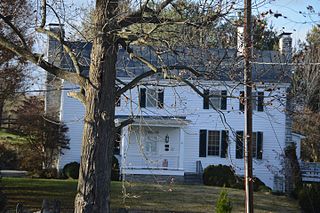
x=48, y=173
x=225, y=176
x=71, y=170
x=219, y=176
x=223, y=204
x=309, y=198
x=8, y=158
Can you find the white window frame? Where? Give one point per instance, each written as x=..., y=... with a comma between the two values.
x=219, y=145
x=215, y=100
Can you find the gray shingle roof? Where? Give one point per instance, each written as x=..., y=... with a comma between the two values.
x=221, y=64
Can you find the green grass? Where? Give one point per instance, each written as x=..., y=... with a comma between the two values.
x=11, y=138
x=177, y=198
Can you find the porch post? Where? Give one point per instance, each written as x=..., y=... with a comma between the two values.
x=181, y=148
x=123, y=149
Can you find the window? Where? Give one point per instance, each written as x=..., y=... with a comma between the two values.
x=151, y=144
x=218, y=99
x=213, y=143
x=257, y=144
x=257, y=101
x=151, y=97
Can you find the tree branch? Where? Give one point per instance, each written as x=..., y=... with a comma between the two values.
x=65, y=47
x=39, y=61
x=134, y=82
x=125, y=123
x=137, y=16
x=24, y=43
x=77, y=95
x=43, y=13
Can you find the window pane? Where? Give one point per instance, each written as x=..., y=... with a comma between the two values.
x=151, y=98
x=213, y=143
x=216, y=99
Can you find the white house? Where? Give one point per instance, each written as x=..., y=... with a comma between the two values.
x=176, y=131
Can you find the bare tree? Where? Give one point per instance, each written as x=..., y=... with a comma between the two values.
x=98, y=93
x=306, y=92
x=13, y=69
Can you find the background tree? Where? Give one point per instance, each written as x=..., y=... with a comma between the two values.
x=13, y=69
x=306, y=90
x=45, y=139
x=98, y=91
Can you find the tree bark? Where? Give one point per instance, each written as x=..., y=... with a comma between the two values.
x=93, y=193
x=1, y=111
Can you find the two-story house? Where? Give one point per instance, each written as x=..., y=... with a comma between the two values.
x=177, y=131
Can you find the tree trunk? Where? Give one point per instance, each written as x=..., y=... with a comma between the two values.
x=1, y=111
x=93, y=193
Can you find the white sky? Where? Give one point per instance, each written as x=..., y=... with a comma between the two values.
x=299, y=21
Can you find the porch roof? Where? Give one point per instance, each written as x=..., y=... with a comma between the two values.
x=168, y=121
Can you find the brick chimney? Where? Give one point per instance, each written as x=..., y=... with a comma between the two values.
x=54, y=84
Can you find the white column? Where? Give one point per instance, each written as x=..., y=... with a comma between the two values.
x=124, y=146
x=181, y=148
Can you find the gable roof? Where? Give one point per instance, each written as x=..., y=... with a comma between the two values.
x=220, y=64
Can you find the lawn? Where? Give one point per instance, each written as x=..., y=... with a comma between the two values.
x=141, y=196
x=11, y=138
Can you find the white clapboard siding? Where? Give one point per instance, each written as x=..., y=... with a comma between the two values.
x=72, y=116
x=183, y=101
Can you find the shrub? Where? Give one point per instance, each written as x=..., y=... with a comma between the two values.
x=225, y=176
x=8, y=158
x=115, y=169
x=30, y=161
x=48, y=173
x=223, y=204
x=71, y=170
x=309, y=198
x=219, y=176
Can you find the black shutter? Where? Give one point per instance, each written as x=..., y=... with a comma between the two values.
x=160, y=98
x=259, y=144
x=239, y=144
x=223, y=99
x=260, y=101
x=206, y=99
x=142, y=100
x=203, y=143
x=241, y=105
x=224, y=144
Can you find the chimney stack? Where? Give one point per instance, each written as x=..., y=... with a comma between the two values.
x=240, y=40
x=54, y=84
x=285, y=44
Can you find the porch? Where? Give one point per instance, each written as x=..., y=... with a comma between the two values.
x=153, y=147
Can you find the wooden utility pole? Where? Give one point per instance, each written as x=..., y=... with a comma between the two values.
x=248, y=107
